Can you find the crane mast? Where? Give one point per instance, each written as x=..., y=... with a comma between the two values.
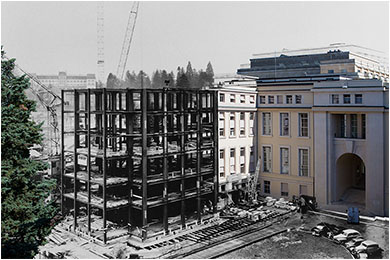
x=127, y=40
x=100, y=42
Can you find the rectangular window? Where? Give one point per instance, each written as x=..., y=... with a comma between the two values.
x=267, y=130
x=242, y=159
x=354, y=125
x=303, y=155
x=262, y=99
x=358, y=99
x=232, y=124
x=271, y=99
x=242, y=99
x=303, y=124
x=252, y=160
x=251, y=123
x=298, y=99
x=232, y=98
x=242, y=123
x=222, y=97
x=284, y=189
x=232, y=161
x=347, y=98
x=343, y=71
x=284, y=124
x=334, y=98
x=251, y=99
x=221, y=124
x=267, y=187
x=279, y=99
x=343, y=126
x=289, y=99
x=267, y=159
x=330, y=71
x=284, y=161
x=303, y=190
x=364, y=126
x=222, y=163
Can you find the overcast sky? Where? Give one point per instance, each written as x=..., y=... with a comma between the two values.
x=46, y=37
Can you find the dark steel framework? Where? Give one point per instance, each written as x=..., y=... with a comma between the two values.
x=138, y=155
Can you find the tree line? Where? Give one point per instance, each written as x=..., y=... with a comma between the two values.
x=185, y=78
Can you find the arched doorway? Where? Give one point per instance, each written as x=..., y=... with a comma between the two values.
x=350, y=181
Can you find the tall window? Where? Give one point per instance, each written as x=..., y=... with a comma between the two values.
x=267, y=159
x=221, y=163
x=303, y=155
x=284, y=161
x=354, y=125
x=358, y=98
x=267, y=187
x=334, y=98
x=303, y=124
x=232, y=161
x=279, y=99
x=364, y=126
x=347, y=98
x=267, y=129
x=343, y=126
x=232, y=98
x=242, y=99
x=298, y=99
x=221, y=124
x=251, y=123
x=232, y=124
x=242, y=123
x=284, y=124
x=262, y=99
x=289, y=99
x=251, y=99
x=271, y=99
x=222, y=97
x=252, y=160
x=284, y=189
x=242, y=159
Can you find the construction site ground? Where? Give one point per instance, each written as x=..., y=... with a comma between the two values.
x=284, y=234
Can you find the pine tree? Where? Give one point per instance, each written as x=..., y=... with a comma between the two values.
x=209, y=74
x=26, y=219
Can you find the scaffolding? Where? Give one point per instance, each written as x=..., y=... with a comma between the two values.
x=132, y=158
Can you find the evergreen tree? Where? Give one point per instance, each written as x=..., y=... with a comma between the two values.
x=190, y=75
x=113, y=81
x=182, y=80
x=209, y=74
x=26, y=219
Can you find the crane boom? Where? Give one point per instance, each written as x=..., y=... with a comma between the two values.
x=127, y=41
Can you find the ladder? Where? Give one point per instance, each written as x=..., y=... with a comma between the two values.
x=252, y=183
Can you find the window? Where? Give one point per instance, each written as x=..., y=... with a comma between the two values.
x=251, y=123
x=288, y=99
x=262, y=99
x=347, y=98
x=223, y=188
x=267, y=159
x=271, y=99
x=242, y=159
x=267, y=187
x=284, y=189
x=232, y=98
x=221, y=163
x=279, y=99
x=284, y=124
x=232, y=161
x=303, y=155
x=284, y=161
x=363, y=126
x=330, y=71
x=343, y=71
x=303, y=124
x=242, y=123
x=358, y=98
x=334, y=98
x=222, y=97
x=343, y=126
x=267, y=130
x=251, y=99
x=303, y=190
x=242, y=99
x=251, y=160
x=298, y=99
x=354, y=126
x=232, y=124
x=221, y=124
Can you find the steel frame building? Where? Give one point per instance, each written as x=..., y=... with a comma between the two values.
x=139, y=156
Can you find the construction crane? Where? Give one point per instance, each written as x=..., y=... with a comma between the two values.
x=127, y=41
x=49, y=100
x=252, y=184
x=100, y=43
